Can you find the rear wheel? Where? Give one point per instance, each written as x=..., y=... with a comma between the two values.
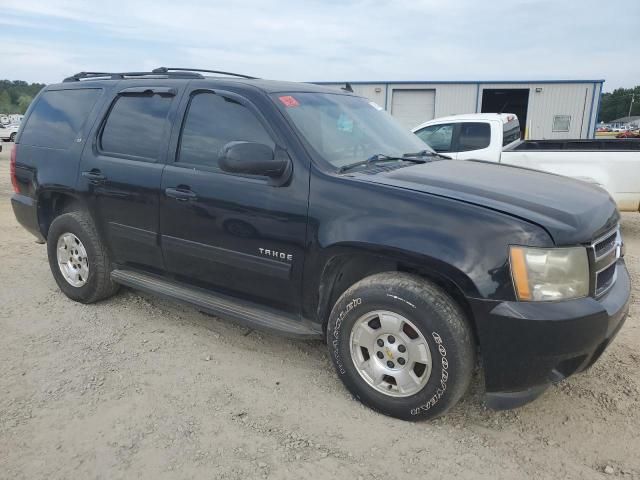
x=401, y=345
x=79, y=262
x=12, y=137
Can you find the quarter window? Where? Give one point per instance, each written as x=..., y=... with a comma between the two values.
x=474, y=136
x=135, y=126
x=437, y=137
x=58, y=117
x=212, y=121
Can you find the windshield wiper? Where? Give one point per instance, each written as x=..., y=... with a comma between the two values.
x=379, y=158
x=427, y=153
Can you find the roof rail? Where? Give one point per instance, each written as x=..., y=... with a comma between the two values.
x=122, y=75
x=176, y=69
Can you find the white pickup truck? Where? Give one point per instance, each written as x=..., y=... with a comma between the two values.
x=614, y=164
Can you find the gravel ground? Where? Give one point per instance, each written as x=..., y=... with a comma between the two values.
x=140, y=387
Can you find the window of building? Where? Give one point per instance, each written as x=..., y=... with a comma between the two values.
x=561, y=123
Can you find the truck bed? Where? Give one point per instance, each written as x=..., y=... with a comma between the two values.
x=613, y=144
x=613, y=164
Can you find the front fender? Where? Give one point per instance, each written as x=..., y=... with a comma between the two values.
x=466, y=243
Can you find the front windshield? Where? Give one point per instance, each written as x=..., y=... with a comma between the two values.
x=345, y=129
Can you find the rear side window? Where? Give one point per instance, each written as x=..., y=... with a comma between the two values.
x=474, y=136
x=511, y=131
x=135, y=126
x=58, y=117
x=212, y=121
x=437, y=137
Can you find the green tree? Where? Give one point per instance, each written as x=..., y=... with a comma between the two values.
x=16, y=95
x=616, y=104
x=5, y=102
x=23, y=103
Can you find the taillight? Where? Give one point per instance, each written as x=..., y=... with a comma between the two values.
x=12, y=170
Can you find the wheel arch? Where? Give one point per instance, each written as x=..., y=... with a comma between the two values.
x=53, y=203
x=346, y=266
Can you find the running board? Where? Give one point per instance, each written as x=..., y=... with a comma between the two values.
x=250, y=315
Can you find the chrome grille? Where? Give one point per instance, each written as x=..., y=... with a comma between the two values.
x=604, y=246
x=606, y=251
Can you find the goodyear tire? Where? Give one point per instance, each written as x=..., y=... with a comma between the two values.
x=79, y=262
x=401, y=345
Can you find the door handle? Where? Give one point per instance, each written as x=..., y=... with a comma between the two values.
x=95, y=176
x=180, y=194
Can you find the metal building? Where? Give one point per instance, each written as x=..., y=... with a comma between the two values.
x=546, y=108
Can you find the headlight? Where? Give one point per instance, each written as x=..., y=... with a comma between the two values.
x=541, y=274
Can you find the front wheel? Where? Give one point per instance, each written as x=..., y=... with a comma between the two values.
x=12, y=137
x=401, y=345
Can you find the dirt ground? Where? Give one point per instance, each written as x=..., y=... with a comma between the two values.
x=137, y=387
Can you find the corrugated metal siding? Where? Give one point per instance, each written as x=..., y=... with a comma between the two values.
x=574, y=100
x=579, y=100
x=374, y=92
x=451, y=99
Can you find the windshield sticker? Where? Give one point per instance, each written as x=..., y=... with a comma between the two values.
x=288, y=101
x=344, y=123
x=376, y=106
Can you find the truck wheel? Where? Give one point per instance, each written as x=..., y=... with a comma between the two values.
x=79, y=262
x=12, y=137
x=401, y=346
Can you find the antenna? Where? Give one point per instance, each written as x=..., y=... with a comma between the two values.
x=347, y=87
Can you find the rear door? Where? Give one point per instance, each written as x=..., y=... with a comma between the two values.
x=473, y=141
x=121, y=169
x=236, y=234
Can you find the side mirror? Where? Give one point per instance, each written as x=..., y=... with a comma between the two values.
x=254, y=159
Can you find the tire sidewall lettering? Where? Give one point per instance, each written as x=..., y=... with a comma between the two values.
x=444, y=377
x=355, y=302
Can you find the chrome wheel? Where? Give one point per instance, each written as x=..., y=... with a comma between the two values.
x=72, y=260
x=390, y=353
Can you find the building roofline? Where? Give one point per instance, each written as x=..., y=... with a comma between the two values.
x=469, y=82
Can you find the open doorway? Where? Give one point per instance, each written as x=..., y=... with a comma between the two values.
x=507, y=100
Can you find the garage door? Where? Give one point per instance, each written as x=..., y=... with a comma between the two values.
x=413, y=107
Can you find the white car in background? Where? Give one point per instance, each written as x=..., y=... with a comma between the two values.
x=8, y=132
x=613, y=164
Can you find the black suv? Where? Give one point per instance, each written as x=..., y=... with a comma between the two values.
x=308, y=211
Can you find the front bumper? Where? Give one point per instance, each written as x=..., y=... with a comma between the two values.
x=526, y=346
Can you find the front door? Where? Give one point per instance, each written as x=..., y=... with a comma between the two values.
x=121, y=169
x=235, y=234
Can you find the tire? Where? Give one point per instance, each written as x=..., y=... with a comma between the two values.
x=97, y=285
x=429, y=381
x=12, y=137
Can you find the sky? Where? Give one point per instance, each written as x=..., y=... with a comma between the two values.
x=330, y=40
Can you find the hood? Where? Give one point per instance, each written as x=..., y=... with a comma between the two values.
x=571, y=211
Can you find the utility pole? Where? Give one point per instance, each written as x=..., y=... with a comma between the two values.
x=633, y=97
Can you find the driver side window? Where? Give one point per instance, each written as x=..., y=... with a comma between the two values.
x=438, y=137
x=212, y=121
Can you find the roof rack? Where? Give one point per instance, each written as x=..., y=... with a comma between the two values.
x=176, y=69
x=122, y=75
